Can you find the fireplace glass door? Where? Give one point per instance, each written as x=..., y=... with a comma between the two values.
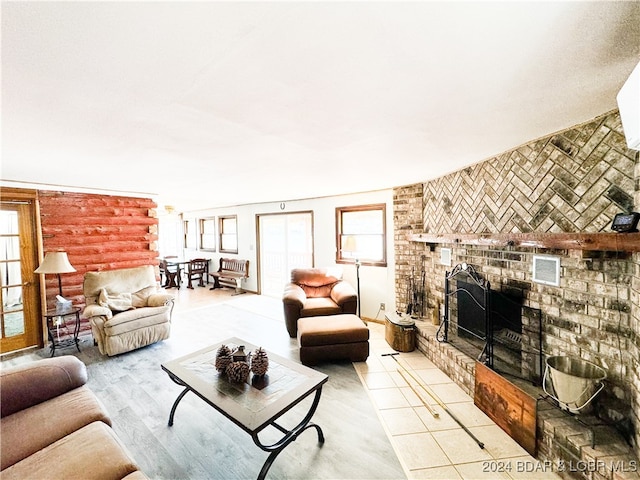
x=492, y=326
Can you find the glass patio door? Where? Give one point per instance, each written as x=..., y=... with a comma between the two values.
x=286, y=242
x=19, y=319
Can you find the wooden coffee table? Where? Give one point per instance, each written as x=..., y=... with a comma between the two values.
x=254, y=405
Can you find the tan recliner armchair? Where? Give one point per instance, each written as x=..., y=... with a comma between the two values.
x=316, y=292
x=126, y=309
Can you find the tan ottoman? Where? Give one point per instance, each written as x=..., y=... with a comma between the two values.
x=332, y=337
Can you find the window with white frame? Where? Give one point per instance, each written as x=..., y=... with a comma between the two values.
x=361, y=234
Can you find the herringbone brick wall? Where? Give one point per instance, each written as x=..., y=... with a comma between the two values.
x=573, y=181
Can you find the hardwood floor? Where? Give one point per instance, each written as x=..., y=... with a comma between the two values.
x=203, y=444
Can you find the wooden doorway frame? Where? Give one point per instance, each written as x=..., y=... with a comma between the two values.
x=26, y=200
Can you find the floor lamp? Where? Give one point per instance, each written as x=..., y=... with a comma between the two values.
x=351, y=247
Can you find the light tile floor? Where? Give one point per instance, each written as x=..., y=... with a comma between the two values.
x=431, y=447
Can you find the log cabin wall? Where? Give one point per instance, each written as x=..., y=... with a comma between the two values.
x=572, y=181
x=98, y=232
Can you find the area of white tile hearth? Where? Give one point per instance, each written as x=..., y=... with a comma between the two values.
x=432, y=445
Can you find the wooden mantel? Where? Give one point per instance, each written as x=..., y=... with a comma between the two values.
x=615, y=242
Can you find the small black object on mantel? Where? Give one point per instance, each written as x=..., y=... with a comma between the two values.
x=625, y=222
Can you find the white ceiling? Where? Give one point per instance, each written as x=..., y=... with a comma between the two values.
x=209, y=104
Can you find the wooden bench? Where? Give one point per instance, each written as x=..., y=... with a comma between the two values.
x=231, y=273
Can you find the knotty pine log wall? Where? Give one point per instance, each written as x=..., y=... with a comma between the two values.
x=98, y=232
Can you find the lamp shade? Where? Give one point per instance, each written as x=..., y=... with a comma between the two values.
x=350, y=244
x=55, y=262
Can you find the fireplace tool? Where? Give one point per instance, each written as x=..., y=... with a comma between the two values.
x=419, y=395
x=435, y=397
x=415, y=295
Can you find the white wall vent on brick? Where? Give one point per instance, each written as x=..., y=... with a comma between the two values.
x=445, y=257
x=546, y=270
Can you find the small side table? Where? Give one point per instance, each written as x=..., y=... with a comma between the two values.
x=55, y=323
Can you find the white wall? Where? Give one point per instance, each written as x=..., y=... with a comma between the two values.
x=170, y=239
x=376, y=283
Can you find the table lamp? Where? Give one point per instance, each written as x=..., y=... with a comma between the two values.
x=55, y=262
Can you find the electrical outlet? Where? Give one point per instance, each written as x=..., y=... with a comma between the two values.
x=382, y=306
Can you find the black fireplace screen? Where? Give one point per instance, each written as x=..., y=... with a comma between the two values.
x=491, y=326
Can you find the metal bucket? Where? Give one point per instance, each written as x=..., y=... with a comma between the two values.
x=573, y=382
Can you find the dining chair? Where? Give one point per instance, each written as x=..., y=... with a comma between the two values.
x=197, y=269
x=161, y=268
x=172, y=274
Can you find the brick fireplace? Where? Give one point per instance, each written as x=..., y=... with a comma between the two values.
x=574, y=181
x=492, y=326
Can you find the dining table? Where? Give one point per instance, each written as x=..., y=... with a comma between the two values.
x=180, y=262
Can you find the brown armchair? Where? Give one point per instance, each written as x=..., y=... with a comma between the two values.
x=316, y=292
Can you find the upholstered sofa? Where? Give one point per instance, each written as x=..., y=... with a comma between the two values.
x=126, y=309
x=53, y=427
x=316, y=292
